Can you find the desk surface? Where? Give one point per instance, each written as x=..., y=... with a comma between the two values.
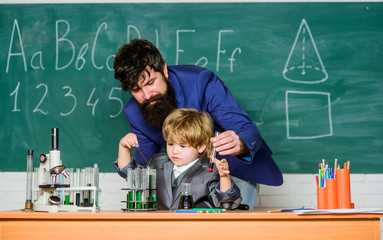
x=171, y=215
x=171, y=225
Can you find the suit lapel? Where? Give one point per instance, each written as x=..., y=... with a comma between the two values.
x=168, y=171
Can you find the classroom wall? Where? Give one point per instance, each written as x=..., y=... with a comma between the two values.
x=298, y=190
x=334, y=112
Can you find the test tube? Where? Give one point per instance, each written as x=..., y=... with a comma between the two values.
x=152, y=189
x=70, y=171
x=145, y=188
x=96, y=182
x=211, y=163
x=68, y=181
x=28, y=202
x=35, y=183
x=131, y=192
x=77, y=184
x=88, y=183
x=139, y=187
x=82, y=184
x=60, y=179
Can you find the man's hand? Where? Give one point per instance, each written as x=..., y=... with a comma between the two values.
x=228, y=143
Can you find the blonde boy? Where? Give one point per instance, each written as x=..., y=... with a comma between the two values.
x=187, y=133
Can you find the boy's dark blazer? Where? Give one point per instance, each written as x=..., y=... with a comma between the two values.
x=203, y=185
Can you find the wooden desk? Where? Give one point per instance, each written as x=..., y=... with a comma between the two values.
x=196, y=226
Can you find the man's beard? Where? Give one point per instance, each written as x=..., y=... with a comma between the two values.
x=155, y=114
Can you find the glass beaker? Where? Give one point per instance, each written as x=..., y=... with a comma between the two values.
x=186, y=200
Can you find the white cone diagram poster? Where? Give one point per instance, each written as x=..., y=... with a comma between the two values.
x=308, y=113
x=304, y=64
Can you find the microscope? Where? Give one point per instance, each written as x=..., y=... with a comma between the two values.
x=50, y=168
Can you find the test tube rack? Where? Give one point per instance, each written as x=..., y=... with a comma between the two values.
x=79, y=192
x=141, y=190
x=136, y=202
x=93, y=189
x=94, y=192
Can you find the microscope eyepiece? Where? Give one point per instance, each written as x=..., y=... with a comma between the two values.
x=55, y=139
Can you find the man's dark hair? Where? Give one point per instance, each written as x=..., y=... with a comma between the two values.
x=132, y=59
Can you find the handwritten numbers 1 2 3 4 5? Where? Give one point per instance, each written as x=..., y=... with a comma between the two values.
x=70, y=99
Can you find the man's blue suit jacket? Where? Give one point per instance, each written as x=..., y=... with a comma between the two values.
x=199, y=88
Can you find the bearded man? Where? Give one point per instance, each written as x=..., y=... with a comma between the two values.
x=157, y=89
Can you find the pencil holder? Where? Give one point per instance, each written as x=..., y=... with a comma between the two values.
x=332, y=193
x=344, y=190
x=322, y=198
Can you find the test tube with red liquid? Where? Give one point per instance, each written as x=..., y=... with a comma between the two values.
x=211, y=163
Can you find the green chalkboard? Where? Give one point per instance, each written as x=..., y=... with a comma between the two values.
x=309, y=74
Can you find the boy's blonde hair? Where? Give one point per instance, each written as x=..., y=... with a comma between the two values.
x=189, y=126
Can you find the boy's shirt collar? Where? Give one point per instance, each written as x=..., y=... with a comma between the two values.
x=178, y=170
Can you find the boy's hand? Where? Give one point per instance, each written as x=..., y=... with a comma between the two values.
x=129, y=141
x=224, y=177
x=126, y=143
x=222, y=167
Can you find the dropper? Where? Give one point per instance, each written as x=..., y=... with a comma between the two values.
x=142, y=154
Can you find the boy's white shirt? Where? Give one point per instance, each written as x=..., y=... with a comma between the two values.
x=178, y=170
